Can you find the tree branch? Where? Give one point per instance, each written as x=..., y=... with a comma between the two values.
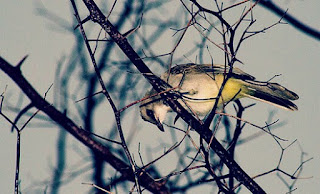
x=159, y=85
x=15, y=74
x=290, y=19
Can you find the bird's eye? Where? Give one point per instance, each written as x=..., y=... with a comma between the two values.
x=150, y=113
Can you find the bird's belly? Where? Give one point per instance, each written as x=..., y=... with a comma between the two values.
x=200, y=95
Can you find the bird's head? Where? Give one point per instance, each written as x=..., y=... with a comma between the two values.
x=154, y=111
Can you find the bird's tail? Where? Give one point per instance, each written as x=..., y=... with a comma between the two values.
x=271, y=93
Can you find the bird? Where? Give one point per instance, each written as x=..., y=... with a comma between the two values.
x=198, y=87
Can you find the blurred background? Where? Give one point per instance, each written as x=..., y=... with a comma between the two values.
x=44, y=31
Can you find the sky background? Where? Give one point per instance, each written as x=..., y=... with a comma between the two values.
x=282, y=50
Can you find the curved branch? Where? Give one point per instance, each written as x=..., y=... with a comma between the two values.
x=290, y=19
x=83, y=136
x=159, y=85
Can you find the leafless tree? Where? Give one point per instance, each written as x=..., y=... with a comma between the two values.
x=99, y=85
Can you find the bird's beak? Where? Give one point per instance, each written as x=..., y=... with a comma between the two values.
x=159, y=125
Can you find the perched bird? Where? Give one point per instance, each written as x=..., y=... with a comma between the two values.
x=199, y=85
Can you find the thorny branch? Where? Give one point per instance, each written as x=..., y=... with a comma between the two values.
x=269, y=4
x=82, y=135
x=108, y=97
x=141, y=176
x=98, y=17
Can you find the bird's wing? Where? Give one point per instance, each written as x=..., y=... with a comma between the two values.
x=208, y=68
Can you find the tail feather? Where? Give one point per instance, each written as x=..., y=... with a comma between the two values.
x=272, y=93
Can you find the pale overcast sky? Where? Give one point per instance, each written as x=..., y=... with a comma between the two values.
x=282, y=50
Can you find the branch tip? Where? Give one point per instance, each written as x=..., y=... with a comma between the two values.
x=18, y=66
